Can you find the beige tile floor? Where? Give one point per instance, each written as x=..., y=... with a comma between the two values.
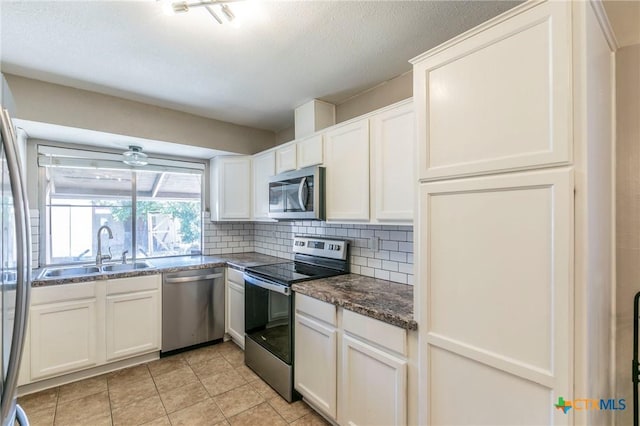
x=206, y=386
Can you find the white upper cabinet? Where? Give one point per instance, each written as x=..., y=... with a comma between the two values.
x=392, y=160
x=263, y=169
x=347, y=176
x=231, y=188
x=299, y=154
x=370, y=174
x=498, y=101
x=309, y=151
x=286, y=158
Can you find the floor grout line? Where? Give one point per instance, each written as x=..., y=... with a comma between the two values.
x=227, y=353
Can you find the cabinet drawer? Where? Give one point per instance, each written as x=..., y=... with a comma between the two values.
x=235, y=276
x=317, y=309
x=135, y=284
x=385, y=335
x=62, y=293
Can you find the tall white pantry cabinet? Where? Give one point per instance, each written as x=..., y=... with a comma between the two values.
x=515, y=144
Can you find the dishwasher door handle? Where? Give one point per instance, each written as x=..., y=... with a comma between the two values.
x=192, y=278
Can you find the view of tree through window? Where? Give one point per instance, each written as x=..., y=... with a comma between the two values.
x=167, y=206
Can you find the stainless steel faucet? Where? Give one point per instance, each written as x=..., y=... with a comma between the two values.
x=99, y=256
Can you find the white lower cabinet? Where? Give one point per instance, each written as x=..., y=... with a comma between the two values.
x=63, y=337
x=64, y=328
x=74, y=327
x=133, y=316
x=350, y=367
x=235, y=306
x=373, y=385
x=315, y=346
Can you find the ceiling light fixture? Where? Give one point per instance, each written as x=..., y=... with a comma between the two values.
x=135, y=157
x=183, y=6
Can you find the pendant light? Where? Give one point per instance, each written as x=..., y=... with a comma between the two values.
x=135, y=157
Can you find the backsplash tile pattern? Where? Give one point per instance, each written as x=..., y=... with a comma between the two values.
x=393, y=259
x=34, y=216
x=226, y=237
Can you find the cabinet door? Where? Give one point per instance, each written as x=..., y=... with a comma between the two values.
x=235, y=311
x=133, y=324
x=347, y=174
x=286, y=158
x=231, y=184
x=316, y=363
x=63, y=337
x=263, y=169
x=392, y=161
x=373, y=387
x=310, y=151
x=503, y=321
x=484, y=106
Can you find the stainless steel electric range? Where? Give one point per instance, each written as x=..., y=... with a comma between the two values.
x=269, y=310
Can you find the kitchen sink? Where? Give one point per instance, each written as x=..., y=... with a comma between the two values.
x=76, y=271
x=69, y=272
x=124, y=267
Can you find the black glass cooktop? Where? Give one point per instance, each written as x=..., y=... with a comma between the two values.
x=292, y=272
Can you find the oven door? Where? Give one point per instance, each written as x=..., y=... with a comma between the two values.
x=268, y=316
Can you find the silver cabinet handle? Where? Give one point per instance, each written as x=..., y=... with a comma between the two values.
x=192, y=278
x=23, y=247
x=278, y=288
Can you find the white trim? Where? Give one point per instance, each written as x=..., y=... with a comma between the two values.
x=74, y=157
x=605, y=24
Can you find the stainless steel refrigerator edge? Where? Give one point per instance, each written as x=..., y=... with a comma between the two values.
x=16, y=271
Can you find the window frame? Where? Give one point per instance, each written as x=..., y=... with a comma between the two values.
x=88, y=152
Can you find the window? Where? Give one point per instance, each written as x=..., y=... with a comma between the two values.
x=83, y=191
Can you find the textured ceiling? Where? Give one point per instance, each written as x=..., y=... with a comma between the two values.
x=281, y=55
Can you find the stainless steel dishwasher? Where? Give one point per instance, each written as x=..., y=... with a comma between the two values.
x=192, y=308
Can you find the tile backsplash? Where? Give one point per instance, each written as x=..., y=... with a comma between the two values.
x=226, y=237
x=392, y=259
x=34, y=217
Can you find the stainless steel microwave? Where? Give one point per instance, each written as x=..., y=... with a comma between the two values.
x=297, y=195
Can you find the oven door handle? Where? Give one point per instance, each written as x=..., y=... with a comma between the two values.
x=278, y=288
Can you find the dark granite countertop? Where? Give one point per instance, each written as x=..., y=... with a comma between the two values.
x=169, y=264
x=379, y=299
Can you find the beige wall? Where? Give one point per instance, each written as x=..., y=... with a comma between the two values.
x=51, y=103
x=387, y=93
x=627, y=218
x=285, y=135
x=6, y=98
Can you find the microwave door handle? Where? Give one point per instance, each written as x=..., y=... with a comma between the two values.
x=303, y=194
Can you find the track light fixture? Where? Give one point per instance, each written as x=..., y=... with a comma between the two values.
x=214, y=7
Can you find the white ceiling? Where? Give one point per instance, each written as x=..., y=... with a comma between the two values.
x=281, y=55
